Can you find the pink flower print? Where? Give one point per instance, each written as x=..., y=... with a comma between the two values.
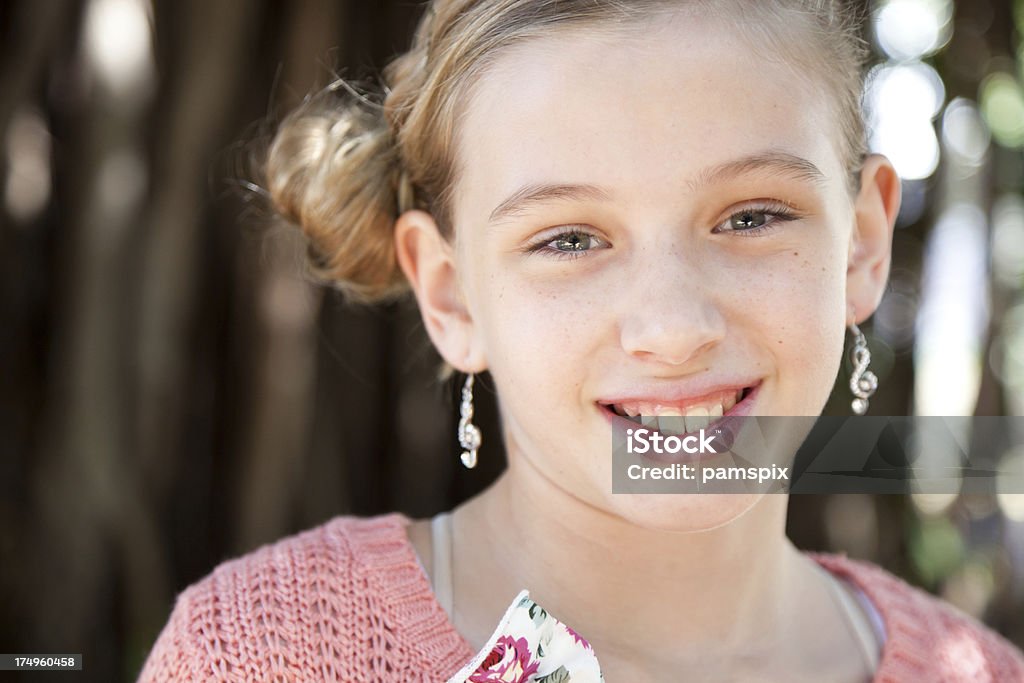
x=577, y=637
x=509, y=662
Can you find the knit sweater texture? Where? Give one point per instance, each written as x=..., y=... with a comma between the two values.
x=348, y=601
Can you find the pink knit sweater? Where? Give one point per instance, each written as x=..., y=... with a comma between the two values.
x=347, y=601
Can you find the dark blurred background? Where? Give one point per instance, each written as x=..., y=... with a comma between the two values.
x=174, y=391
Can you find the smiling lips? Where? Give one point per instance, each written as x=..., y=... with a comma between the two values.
x=683, y=416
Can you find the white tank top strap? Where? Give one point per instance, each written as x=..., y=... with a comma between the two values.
x=858, y=617
x=441, y=531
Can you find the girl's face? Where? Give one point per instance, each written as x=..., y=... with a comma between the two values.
x=658, y=218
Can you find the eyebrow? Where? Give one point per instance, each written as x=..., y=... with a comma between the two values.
x=772, y=162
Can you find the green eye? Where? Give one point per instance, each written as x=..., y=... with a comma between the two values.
x=747, y=220
x=573, y=242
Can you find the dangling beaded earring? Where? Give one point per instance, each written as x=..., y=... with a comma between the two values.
x=469, y=434
x=863, y=382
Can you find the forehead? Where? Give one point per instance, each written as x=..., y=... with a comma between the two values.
x=643, y=110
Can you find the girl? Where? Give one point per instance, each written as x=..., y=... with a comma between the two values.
x=614, y=207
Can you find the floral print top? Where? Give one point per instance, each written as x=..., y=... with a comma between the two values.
x=531, y=646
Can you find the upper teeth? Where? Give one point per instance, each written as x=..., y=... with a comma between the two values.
x=693, y=417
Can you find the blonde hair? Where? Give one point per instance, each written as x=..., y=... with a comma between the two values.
x=346, y=164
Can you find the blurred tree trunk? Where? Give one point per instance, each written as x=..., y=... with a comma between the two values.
x=283, y=343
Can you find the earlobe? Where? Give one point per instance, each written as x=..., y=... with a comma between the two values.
x=870, y=253
x=428, y=261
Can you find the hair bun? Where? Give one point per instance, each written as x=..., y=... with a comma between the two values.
x=333, y=170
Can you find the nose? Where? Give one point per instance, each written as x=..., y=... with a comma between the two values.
x=672, y=316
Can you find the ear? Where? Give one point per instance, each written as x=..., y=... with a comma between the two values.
x=428, y=261
x=870, y=253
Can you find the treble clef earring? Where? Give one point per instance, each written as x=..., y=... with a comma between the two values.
x=863, y=382
x=469, y=434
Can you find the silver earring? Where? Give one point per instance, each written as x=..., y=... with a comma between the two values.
x=863, y=382
x=469, y=434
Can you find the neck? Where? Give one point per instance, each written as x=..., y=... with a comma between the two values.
x=646, y=594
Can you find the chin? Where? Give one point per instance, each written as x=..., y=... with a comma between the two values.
x=684, y=513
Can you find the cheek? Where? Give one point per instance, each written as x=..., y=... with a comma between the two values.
x=805, y=293
x=541, y=343
x=539, y=333
x=802, y=324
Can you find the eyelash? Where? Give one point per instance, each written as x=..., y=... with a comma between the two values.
x=776, y=211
